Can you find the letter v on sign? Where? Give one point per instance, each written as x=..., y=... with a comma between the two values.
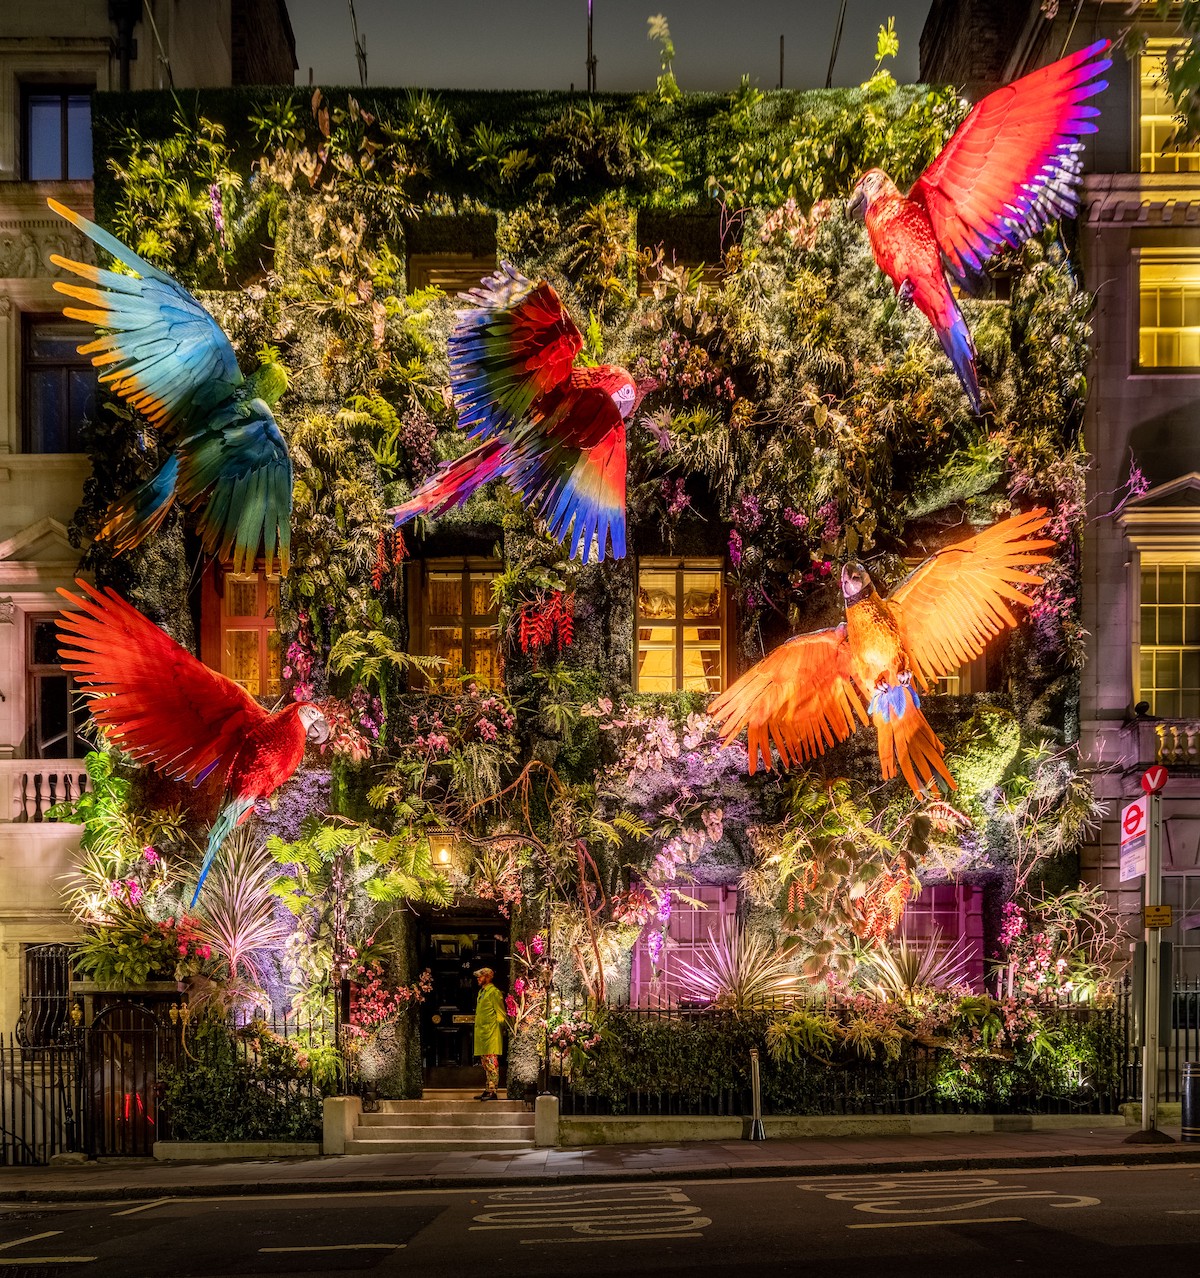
x=1154, y=778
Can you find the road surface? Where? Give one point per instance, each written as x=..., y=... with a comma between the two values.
x=1089, y=1222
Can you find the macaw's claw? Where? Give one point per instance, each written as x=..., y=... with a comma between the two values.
x=904, y=295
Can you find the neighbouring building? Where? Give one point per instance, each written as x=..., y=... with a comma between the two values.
x=54, y=57
x=1138, y=243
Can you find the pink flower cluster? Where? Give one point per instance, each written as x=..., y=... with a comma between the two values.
x=299, y=660
x=689, y=368
x=374, y=1004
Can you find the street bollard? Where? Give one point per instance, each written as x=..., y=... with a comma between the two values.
x=757, y=1131
x=1191, y=1101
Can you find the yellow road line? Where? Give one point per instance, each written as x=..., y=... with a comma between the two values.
x=46, y=1260
x=342, y=1247
x=133, y=1211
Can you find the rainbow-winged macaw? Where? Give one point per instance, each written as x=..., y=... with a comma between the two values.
x=1011, y=167
x=806, y=695
x=554, y=431
x=170, y=710
x=160, y=350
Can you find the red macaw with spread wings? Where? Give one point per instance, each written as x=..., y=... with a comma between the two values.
x=1011, y=167
x=814, y=690
x=168, y=709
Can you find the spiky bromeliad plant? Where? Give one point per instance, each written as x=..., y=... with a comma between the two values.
x=740, y=971
x=906, y=974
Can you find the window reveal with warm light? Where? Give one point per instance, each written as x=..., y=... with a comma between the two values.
x=680, y=627
x=1169, y=633
x=459, y=621
x=1156, y=118
x=1169, y=309
x=250, y=640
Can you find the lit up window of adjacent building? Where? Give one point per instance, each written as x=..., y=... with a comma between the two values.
x=240, y=635
x=57, y=714
x=457, y=618
x=1169, y=657
x=1156, y=118
x=680, y=626
x=1169, y=309
x=963, y=680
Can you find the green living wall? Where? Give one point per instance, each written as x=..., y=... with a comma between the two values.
x=801, y=418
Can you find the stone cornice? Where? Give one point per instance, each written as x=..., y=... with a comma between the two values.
x=1145, y=199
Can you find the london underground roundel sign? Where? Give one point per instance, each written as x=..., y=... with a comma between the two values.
x=1154, y=778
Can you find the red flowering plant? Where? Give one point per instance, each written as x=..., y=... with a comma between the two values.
x=547, y=620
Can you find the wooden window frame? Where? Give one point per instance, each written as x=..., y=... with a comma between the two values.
x=653, y=984
x=1156, y=47
x=679, y=623
x=215, y=624
x=1146, y=562
x=418, y=618
x=35, y=673
x=31, y=364
x=63, y=90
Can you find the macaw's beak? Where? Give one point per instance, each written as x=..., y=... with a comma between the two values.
x=318, y=731
x=856, y=206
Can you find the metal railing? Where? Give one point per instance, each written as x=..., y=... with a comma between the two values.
x=41, y=1102
x=683, y=1060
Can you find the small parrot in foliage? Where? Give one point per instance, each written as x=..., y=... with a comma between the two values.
x=1012, y=166
x=168, y=709
x=163, y=353
x=806, y=695
x=555, y=431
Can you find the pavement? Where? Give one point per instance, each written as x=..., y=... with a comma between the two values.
x=147, y=1180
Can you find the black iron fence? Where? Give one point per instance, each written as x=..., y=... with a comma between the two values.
x=41, y=1102
x=678, y=1059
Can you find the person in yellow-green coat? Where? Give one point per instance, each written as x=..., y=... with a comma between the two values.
x=490, y=1023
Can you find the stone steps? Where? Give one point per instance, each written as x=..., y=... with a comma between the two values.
x=441, y=1122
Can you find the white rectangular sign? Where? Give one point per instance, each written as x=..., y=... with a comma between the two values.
x=1135, y=833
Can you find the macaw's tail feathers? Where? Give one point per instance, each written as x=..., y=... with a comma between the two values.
x=230, y=816
x=905, y=738
x=132, y=519
x=956, y=341
x=455, y=481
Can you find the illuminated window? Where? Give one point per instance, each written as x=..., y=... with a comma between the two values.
x=690, y=240
x=680, y=627
x=59, y=385
x=943, y=914
x=457, y=619
x=56, y=130
x=1169, y=310
x=698, y=918
x=966, y=679
x=1156, y=118
x=57, y=714
x=1169, y=657
x=241, y=631
x=453, y=273
x=453, y=253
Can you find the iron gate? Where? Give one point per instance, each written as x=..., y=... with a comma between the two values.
x=40, y=1101
x=125, y=1049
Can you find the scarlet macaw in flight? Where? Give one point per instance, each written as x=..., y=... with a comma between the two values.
x=555, y=431
x=806, y=695
x=170, y=710
x=1012, y=166
x=160, y=350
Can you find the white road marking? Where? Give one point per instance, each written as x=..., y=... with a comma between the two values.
x=343, y=1247
x=133, y=1211
x=552, y=1214
x=901, y=1195
x=17, y=1242
x=909, y=1224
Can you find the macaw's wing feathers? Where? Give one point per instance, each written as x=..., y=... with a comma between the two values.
x=516, y=344
x=160, y=349
x=454, y=481
x=155, y=699
x=800, y=698
x=570, y=466
x=241, y=461
x=1014, y=163
x=957, y=600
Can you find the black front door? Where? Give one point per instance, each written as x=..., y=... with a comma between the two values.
x=455, y=945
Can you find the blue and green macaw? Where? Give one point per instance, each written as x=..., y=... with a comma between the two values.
x=163, y=353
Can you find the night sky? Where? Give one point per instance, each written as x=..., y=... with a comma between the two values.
x=542, y=44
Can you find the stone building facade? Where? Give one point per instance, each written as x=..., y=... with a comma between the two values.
x=1138, y=241
x=53, y=56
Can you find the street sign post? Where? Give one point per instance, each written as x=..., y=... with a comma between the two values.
x=1141, y=834
x=1134, y=839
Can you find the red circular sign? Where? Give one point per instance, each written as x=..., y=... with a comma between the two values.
x=1131, y=822
x=1154, y=778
